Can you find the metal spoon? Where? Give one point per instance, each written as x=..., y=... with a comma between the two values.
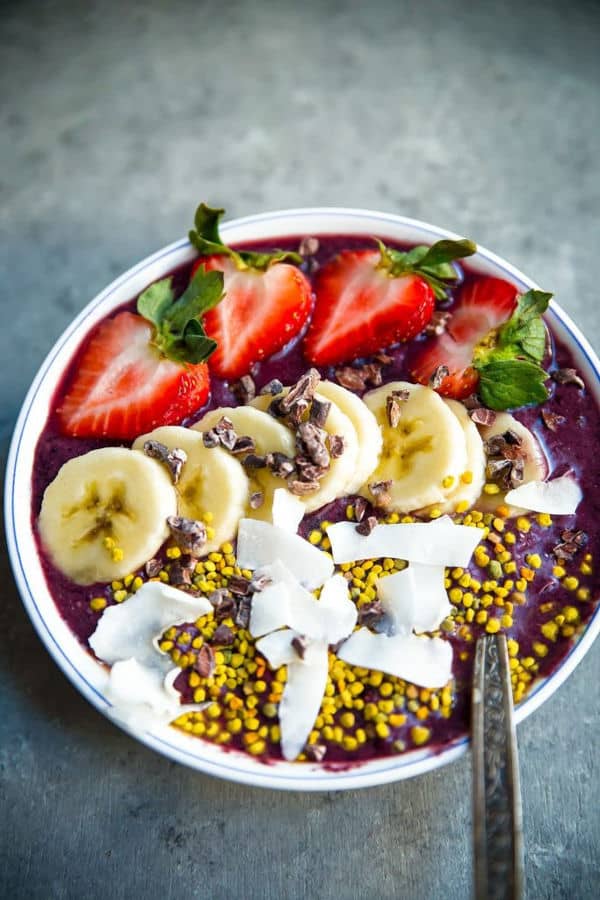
x=497, y=817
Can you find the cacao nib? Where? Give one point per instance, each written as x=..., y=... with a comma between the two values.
x=223, y=636
x=437, y=377
x=483, y=416
x=568, y=376
x=174, y=459
x=244, y=390
x=367, y=525
x=188, y=534
x=205, y=661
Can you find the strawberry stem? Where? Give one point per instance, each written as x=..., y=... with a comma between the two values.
x=434, y=263
x=206, y=239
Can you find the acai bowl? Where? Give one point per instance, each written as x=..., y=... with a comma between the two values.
x=527, y=573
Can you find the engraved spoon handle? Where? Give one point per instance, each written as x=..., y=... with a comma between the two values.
x=497, y=819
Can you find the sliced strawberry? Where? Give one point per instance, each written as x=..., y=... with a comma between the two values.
x=362, y=308
x=483, y=306
x=260, y=313
x=267, y=301
x=124, y=387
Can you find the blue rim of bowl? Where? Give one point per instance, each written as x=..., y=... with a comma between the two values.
x=346, y=777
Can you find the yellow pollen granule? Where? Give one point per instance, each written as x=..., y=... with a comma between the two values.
x=491, y=488
x=534, y=560
x=419, y=734
x=97, y=603
x=550, y=630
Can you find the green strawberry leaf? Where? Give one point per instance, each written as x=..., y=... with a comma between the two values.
x=203, y=292
x=524, y=332
x=206, y=239
x=155, y=301
x=434, y=263
x=510, y=383
x=178, y=331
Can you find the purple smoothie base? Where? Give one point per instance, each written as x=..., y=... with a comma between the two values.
x=572, y=446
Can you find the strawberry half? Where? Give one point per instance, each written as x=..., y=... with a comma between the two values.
x=260, y=313
x=369, y=299
x=483, y=306
x=360, y=309
x=140, y=371
x=267, y=301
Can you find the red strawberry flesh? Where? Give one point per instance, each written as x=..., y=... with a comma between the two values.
x=259, y=314
x=123, y=386
x=482, y=306
x=361, y=309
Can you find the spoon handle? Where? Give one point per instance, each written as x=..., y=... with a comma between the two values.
x=497, y=817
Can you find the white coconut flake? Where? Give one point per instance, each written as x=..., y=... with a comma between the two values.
x=260, y=544
x=559, y=497
x=301, y=699
x=287, y=511
x=277, y=648
x=131, y=629
x=270, y=609
x=436, y=543
x=336, y=611
x=414, y=599
x=424, y=661
x=142, y=696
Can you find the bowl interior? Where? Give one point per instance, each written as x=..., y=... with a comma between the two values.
x=86, y=674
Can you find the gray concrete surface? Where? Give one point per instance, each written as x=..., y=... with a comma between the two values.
x=116, y=119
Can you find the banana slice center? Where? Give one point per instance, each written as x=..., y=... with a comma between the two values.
x=406, y=442
x=106, y=513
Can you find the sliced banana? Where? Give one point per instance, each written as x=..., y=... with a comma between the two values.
x=341, y=470
x=269, y=436
x=211, y=482
x=424, y=455
x=367, y=430
x=105, y=514
x=470, y=484
x=535, y=466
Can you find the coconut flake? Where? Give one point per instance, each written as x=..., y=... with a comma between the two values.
x=260, y=544
x=142, y=696
x=336, y=612
x=436, y=543
x=287, y=510
x=415, y=598
x=424, y=661
x=277, y=648
x=559, y=497
x=133, y=628
x=301, y=699
x=271, y=606
x=285, y=602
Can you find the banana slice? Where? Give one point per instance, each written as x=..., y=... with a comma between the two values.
x=105, y=514
x=424, y=454
x=269, y=436
x=211, y=482
x=470, y=484
x=341, y=470
x=367, y=430
x=535, y=466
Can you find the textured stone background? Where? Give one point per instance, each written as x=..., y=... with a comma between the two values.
x=116, y=119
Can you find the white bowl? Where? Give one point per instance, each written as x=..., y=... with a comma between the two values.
x=86, y=674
